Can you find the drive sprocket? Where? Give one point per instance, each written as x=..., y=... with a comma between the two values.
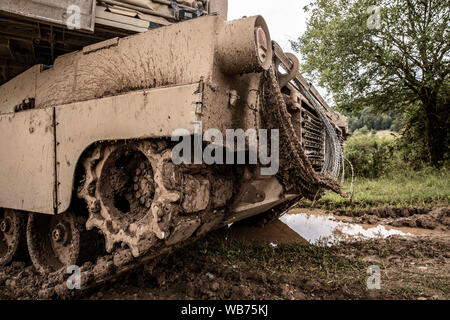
x=126, y=196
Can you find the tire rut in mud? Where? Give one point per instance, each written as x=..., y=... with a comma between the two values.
x=411, y=217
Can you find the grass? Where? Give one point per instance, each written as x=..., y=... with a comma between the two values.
x=337, y=272
x=386, y=134
x=428, y=187
x=315, y=262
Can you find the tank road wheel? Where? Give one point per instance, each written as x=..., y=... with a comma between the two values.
x=12, y=231
x=124, y=188
x=53, y=241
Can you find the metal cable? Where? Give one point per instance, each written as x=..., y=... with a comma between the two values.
x=353, y=174
x=334, y=159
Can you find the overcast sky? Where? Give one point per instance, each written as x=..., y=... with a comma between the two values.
x=285, y=18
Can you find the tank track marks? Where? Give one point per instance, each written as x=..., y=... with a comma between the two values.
x=12, y=235
x=296, y=173
x=138, y=198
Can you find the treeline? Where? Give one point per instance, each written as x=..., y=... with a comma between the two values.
x=375, y=122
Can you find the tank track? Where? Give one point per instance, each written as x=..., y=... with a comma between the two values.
x=119, y=263
x=146, y=207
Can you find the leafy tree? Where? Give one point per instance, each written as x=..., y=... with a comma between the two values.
x=397, y=62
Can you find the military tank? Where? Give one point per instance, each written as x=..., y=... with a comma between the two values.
x=95, y=97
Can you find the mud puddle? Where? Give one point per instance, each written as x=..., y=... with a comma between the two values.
x=316, y=227
x=324, y=229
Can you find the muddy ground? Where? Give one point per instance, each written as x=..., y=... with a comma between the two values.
x=275, y=262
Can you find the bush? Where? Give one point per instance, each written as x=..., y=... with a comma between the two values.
x=373, y=156
x=370, y=156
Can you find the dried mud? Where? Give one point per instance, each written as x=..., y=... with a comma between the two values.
x=417, y=217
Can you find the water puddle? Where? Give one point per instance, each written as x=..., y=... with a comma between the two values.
x=326, y=229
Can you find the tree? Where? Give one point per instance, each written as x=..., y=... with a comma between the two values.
x=384, y=55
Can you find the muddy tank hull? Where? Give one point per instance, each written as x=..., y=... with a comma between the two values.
x=120, y=89
x=107, y=121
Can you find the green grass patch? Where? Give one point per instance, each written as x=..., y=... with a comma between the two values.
x=314, y=262
x=427, y=187
x=386, y=134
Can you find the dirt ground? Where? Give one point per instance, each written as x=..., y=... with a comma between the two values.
x=275, y=262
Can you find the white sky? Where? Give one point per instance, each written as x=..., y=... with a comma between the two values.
x=285, y=18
